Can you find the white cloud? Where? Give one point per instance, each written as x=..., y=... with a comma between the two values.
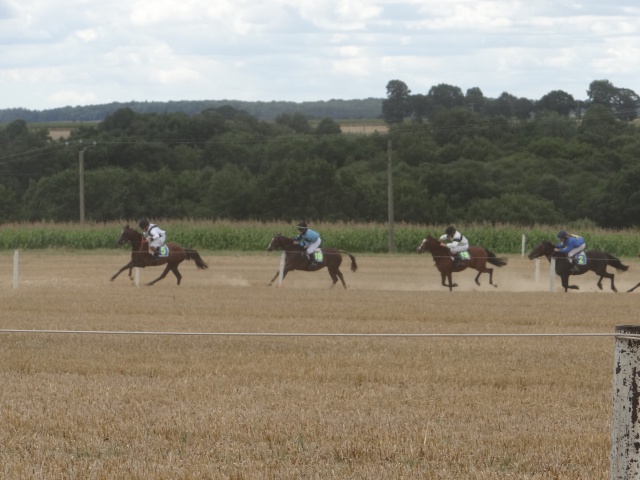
x=54, y=53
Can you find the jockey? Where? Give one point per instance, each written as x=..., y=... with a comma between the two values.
x=456, y=243
x=154, y=234
x=308, y=239
x=571, y=245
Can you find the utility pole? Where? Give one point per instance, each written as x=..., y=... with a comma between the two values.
x=81, y=149
x=392, y=238
x=81, y=179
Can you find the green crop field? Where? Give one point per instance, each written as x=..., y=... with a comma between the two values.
x=354, y=237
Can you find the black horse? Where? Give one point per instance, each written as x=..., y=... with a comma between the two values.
x=296, y=259
x=597, y=261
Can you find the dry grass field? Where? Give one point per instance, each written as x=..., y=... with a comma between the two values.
x=166, y=406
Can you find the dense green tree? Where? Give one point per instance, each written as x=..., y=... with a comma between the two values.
x=328, y=126
x=397, y=106
x=445, y=97
x=557, y=101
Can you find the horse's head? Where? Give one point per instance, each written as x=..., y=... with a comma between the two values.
x=128, y=234
x=280, y=242
x=543, y=249
x=429, y=243
x=275, y=243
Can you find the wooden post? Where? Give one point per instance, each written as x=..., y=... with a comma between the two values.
x=625, y=424
x=392, y=235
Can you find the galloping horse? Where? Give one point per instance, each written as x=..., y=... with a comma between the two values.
x=597, y=262
x=296, y=259
x=479, y=258
x=140, y=256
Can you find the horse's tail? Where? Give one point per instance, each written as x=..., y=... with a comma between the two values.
x=497, y=261
x=195, y=256
x=354, y=265
x=616, y=263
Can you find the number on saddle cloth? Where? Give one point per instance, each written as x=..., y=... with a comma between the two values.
x=464, y=255
x=580, y=258
x=163, y=251
x=318, y=256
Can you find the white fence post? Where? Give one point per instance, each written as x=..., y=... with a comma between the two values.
x=524, y=242
x=281, y=274
x=552, y=274
x=625, y=424
x=16, y=262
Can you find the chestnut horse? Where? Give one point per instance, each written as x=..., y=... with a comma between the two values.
x=597, y=262
x=140, y=256
x=444, y=261
x=296, y=259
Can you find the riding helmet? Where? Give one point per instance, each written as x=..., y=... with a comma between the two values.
x=302, y=226
x=562, y=235
x=143, y=223
x=451, y=230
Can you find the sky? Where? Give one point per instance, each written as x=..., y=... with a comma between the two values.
x=57, y=53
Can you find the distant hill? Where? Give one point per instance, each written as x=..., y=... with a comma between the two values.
x=368, y=108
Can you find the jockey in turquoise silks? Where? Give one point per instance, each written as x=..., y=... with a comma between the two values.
x=308, y=239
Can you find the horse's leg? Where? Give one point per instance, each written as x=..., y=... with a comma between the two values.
x=565, y=283
x=287, y=269
x=273, y=279
x=162, y=275
x=450, y=284
x=174, y=269
x=607, y=275
x=444, y=277
x=490, y=272
x=632, y=289
x=128, y=265
x=335, y=275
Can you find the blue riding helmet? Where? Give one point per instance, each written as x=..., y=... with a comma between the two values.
x=562, y=235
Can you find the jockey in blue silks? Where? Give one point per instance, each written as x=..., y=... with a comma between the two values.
x=308, y=239
x=571, y=245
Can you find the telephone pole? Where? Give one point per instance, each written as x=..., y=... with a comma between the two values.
x=392, y=237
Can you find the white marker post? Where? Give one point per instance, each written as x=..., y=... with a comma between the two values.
x=625, y=421
x=552, y=274
x=137, y=276
x=281, y=274
x=16, y=256
x=524, y=243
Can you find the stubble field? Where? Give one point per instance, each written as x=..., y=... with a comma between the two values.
x=304, y=402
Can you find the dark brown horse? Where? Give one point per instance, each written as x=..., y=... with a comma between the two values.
x=141, y=258
x=597, y=262
x=296, y=259
x=444, y=261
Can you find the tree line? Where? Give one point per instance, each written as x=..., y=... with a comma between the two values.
x=453, y=164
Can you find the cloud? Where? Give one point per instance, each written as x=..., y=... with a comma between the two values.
x=84, y=51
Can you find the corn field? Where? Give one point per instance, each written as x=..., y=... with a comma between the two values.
x=353, y=237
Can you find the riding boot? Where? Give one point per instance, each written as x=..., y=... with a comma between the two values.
x=457, y=262
x=575, y=268
x=310, y=262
